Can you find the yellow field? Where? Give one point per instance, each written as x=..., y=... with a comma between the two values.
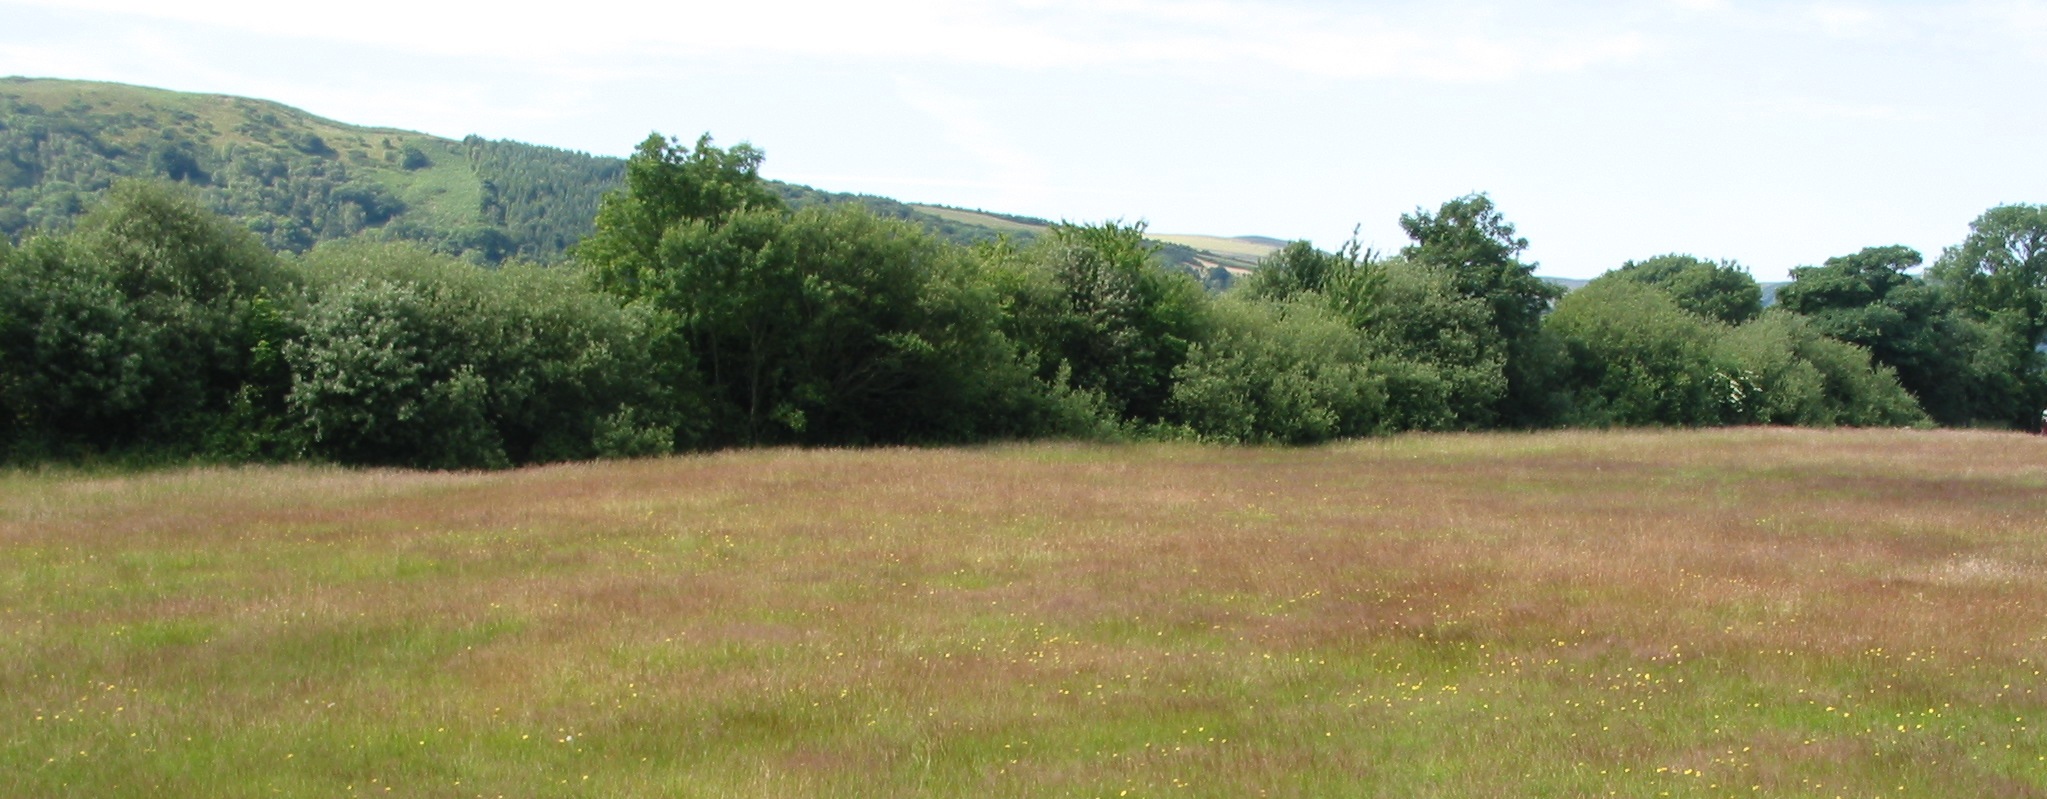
x=983, y=220
x=1730, y=613
x=1250, y=251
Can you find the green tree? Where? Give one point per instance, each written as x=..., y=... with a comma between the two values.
x=1722, y=291
x=1872, y=300
x=2000, y=271
x=1102, y=319
x=667, y=185
x=1781, y=369
x=831, y=326
x=1998, y=279
x=137, y=332
x=1472, y=241
x=413, y=358
x=1638, y=358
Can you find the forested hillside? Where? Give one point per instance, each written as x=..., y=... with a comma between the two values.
x=297, y=179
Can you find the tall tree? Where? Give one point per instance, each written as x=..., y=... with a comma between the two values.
x=1872, y=299
x=1475, y=243
x=667, y=184
x=139, y=330
x=1998, y=277
x=2000, y=270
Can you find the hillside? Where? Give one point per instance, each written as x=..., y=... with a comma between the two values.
x=298, y=179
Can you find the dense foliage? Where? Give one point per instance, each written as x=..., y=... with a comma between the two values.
x=703, y=310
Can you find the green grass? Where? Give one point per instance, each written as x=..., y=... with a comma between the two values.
x=1725, y=613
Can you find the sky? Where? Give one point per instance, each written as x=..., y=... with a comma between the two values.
x=1771, y=134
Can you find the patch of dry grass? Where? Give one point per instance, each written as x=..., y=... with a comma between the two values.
x=1728, y=613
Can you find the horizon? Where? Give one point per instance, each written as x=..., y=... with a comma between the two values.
x=1771, y=135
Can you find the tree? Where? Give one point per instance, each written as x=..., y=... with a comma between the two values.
x=1998, y=279
x=1473, y=242
x=1872, y=300
x=1289, y=372
x=139, y=331
x=1780, y=369
x=1638, y=358
x=2000, y=271
x=413, y=358
x=1722, y=291
x=667, y=185
x=1099, y=317
x=831, y=326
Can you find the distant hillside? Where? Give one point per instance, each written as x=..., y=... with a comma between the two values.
x=299, y=179
x=294, y=178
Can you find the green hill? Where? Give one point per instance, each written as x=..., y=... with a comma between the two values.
x=299, y=179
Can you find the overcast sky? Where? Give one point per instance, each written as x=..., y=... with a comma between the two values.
x=1773, y=134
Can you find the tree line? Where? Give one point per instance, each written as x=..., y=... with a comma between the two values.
x=702, y=312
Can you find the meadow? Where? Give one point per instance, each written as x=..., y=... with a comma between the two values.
x=1748, y=612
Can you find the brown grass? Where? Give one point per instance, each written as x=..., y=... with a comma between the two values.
x=1731, y=613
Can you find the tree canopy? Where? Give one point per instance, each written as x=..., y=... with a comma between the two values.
x=703, y=310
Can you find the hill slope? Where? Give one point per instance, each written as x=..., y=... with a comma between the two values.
x=298, y=179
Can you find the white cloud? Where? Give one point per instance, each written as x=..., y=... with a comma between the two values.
x=1034, y=34
x=1021, y=179
x=2022, y=21
x=1846, y=21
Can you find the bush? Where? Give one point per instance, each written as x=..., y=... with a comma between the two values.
x=1637, y=358
x=139, y=331
x=418, y=359
x=1277, y=372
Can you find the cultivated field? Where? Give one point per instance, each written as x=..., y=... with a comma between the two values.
x=1738, y=613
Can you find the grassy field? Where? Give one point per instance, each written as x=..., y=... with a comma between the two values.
x=1248, y=251
x=1733, y=613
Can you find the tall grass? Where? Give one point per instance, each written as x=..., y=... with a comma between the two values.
x=1736, y=613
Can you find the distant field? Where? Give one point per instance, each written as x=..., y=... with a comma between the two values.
x=1729, y=613
x=1247, y=249
x=983, y=220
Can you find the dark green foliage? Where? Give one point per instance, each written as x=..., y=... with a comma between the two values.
x=540, y=200
x=1723, y=292
x=667, y=185
x=1781, y=369
x=706, y=312
x=1998, y=279
x=1433, y=347
x=412, y=358
x=1289, y=372
x=828, y=325
x=1472, y=241
x=1871, y=299
x=1103, y=320
x=412, y=158
x=1999, y=273
x=139, y=331
x=1638, y=358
